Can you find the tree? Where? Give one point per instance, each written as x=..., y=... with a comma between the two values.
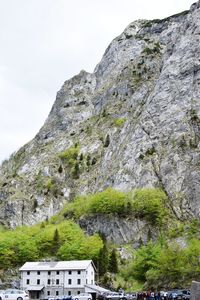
x=146, y=259
x=76, y=171
x=55, y=242
x=107, y=141
x=103, y=260
x=113, y=264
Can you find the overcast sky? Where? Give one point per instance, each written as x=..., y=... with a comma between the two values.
x=45, y=42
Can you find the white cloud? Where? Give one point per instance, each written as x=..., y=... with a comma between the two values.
x=45, y=42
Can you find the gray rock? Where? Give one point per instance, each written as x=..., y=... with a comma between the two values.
x=144, y=94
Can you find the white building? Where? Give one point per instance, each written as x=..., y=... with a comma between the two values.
x=43, y=279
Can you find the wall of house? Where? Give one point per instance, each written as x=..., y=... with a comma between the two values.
x=57, y=283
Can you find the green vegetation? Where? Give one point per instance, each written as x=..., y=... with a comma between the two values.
x=142, y=203
x=64, y=241
x=152, y=22
x=69, y=157
x=166, y=262
x=158, y=21
x=107, y=141
x=119, y=122
x=153, y=50
x=194, y=116
x=165, y=265
x=113, y=263
x=150, y=151
x=45, y=184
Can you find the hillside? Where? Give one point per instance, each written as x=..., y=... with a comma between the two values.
x=133, y=123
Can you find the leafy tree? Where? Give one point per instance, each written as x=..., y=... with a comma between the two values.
x=80, y=248
x=146, y=259
x=171, y=265
x=192, y=266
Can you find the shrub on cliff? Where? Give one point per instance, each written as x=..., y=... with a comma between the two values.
x=142, y=203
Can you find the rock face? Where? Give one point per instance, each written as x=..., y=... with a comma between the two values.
x=195, y=290
x=134, y=122
x=120, y=230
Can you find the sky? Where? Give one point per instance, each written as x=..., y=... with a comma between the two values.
x=45, y=42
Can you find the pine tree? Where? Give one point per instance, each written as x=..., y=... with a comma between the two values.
x=103, y=260
x=76, y=171
x=55, y=242
x=107, y=141
x=113, y=264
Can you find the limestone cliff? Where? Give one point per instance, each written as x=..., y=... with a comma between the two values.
x=134, y=122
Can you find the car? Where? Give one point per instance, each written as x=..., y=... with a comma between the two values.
x=14, y=294
x=82, y=296
x=175, y=295
x=186, y=294
x=66, y=297
x=115, y=296
x=163, y=295
x=131, y=296
x=50, y=298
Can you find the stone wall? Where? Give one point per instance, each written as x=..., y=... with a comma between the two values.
x=195, y=290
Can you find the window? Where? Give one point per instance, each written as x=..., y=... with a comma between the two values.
x=27, y=281
x=70, y=272
x=92, y=281
x=57, y=293
x=49, y=281
x=69, y=281
x=78, y=281
x=49, y=272
x=69, y=293
x=48, y=293
x=86, y=281
x=38, y=272
x=57, y=281
x=28, y=272
x=38, y=281
x=57, y=272
x=78, y=292
x=79, y=272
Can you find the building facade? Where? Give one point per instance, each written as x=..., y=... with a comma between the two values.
x=44, y=279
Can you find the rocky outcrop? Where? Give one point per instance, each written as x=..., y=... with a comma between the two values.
x=134, y=122
x=119, y=230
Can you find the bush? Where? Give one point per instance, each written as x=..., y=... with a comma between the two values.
x=108, y=201
x=142, y=203
x=119, y=122
x=149, y=204
x=69, y=156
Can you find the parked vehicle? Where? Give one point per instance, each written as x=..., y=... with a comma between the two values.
x=163, y=295
x=186, y=294
x=82, y=296
x=14, y=294
x=175, y=295
x=66, y=297
x=115, y=296
x=131, y=296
